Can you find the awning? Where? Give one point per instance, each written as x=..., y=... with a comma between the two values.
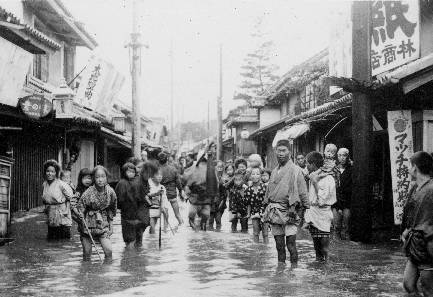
x=25, y=36
x=117, y=138
x=291, y=132
x=326, y=108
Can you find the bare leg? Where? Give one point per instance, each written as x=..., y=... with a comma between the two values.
x=87, y=248
x=410, y=277
x=281, y=248
x=291, y=247
x=106, y=246
x=152, y=225
x=175, y=206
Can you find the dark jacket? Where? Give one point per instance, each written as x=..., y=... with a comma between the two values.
x=131, y=201
x=171, y=180
x=344, y=191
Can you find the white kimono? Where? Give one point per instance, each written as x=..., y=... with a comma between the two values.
x=158, y=201
x=320, y=214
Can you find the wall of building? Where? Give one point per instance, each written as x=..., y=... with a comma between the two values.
x=269, y=115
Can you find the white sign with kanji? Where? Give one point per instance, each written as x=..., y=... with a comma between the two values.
x=395, y=35
x=401, y=149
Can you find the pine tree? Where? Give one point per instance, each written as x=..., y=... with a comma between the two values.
x=258, y=71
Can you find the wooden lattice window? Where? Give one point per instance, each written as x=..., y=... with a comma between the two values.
x=40, y=67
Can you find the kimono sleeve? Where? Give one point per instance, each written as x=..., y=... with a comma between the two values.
x=82, y=202
x=120, y=191
x=302, y=189
x=112, y=208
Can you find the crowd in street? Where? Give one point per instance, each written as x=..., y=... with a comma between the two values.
x=312, y=192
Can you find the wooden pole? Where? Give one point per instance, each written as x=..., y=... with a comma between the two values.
x=219, y=107
x=171, y=94
x=135, y=68
x=361, y=124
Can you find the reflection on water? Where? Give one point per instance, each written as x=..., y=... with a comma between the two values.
x=193, y=264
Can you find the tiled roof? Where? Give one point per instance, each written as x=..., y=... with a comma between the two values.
x=9, y=17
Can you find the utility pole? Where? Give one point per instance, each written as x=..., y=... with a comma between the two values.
x=361, y=124
x=171, y=93
x=219, y=108
x=135, y=71
x=208, y=121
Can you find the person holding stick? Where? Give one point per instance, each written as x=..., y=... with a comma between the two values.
x=97, y=208
x=159, y=202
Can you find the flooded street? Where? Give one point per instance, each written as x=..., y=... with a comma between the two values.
x=192, y=264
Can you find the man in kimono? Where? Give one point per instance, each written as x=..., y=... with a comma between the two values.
x=286, y=195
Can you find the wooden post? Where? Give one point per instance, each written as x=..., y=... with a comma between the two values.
x=135, y=68
x=219, y=109
x=361, y=124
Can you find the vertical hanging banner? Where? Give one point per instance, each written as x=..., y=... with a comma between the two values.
x=14, y=65
x=401, y=149
x=99, y=86
x=395, y=35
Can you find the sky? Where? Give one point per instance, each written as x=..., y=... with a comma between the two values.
x=195, y=29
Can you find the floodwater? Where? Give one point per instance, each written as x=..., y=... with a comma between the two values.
x=192, y=264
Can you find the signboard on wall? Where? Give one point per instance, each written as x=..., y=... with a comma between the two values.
x=99, y=86
x=14, y=65
x=395, y=35
x=35, y=106
x=401, y=149
x=395, y=38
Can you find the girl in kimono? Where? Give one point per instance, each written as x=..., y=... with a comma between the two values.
x=56, y=196
x=159, y=201
x=238, y=205
x=83, y=183
x=97, y=207
x=132, y=227
x=255, y=195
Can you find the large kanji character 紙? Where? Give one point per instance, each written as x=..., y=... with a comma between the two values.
x=394, y=11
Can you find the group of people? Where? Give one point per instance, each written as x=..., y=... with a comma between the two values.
x=313, y=191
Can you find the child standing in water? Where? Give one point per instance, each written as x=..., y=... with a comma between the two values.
x=132, y=227
x=98, y=206
x=255, y=195
x=83, y=183
x=238, y=205
x=159, y=201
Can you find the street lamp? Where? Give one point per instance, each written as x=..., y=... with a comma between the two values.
x=119, y=123
x=245, y=133
x=62, y=101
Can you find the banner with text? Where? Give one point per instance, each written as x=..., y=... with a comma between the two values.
x=395, y=36
x=99, y=86
x=14, y=65
x=401, y=149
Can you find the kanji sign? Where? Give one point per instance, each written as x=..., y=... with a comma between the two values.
x=401, y=149
x=395, y=33
x=100, y=85
x=35, y=106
